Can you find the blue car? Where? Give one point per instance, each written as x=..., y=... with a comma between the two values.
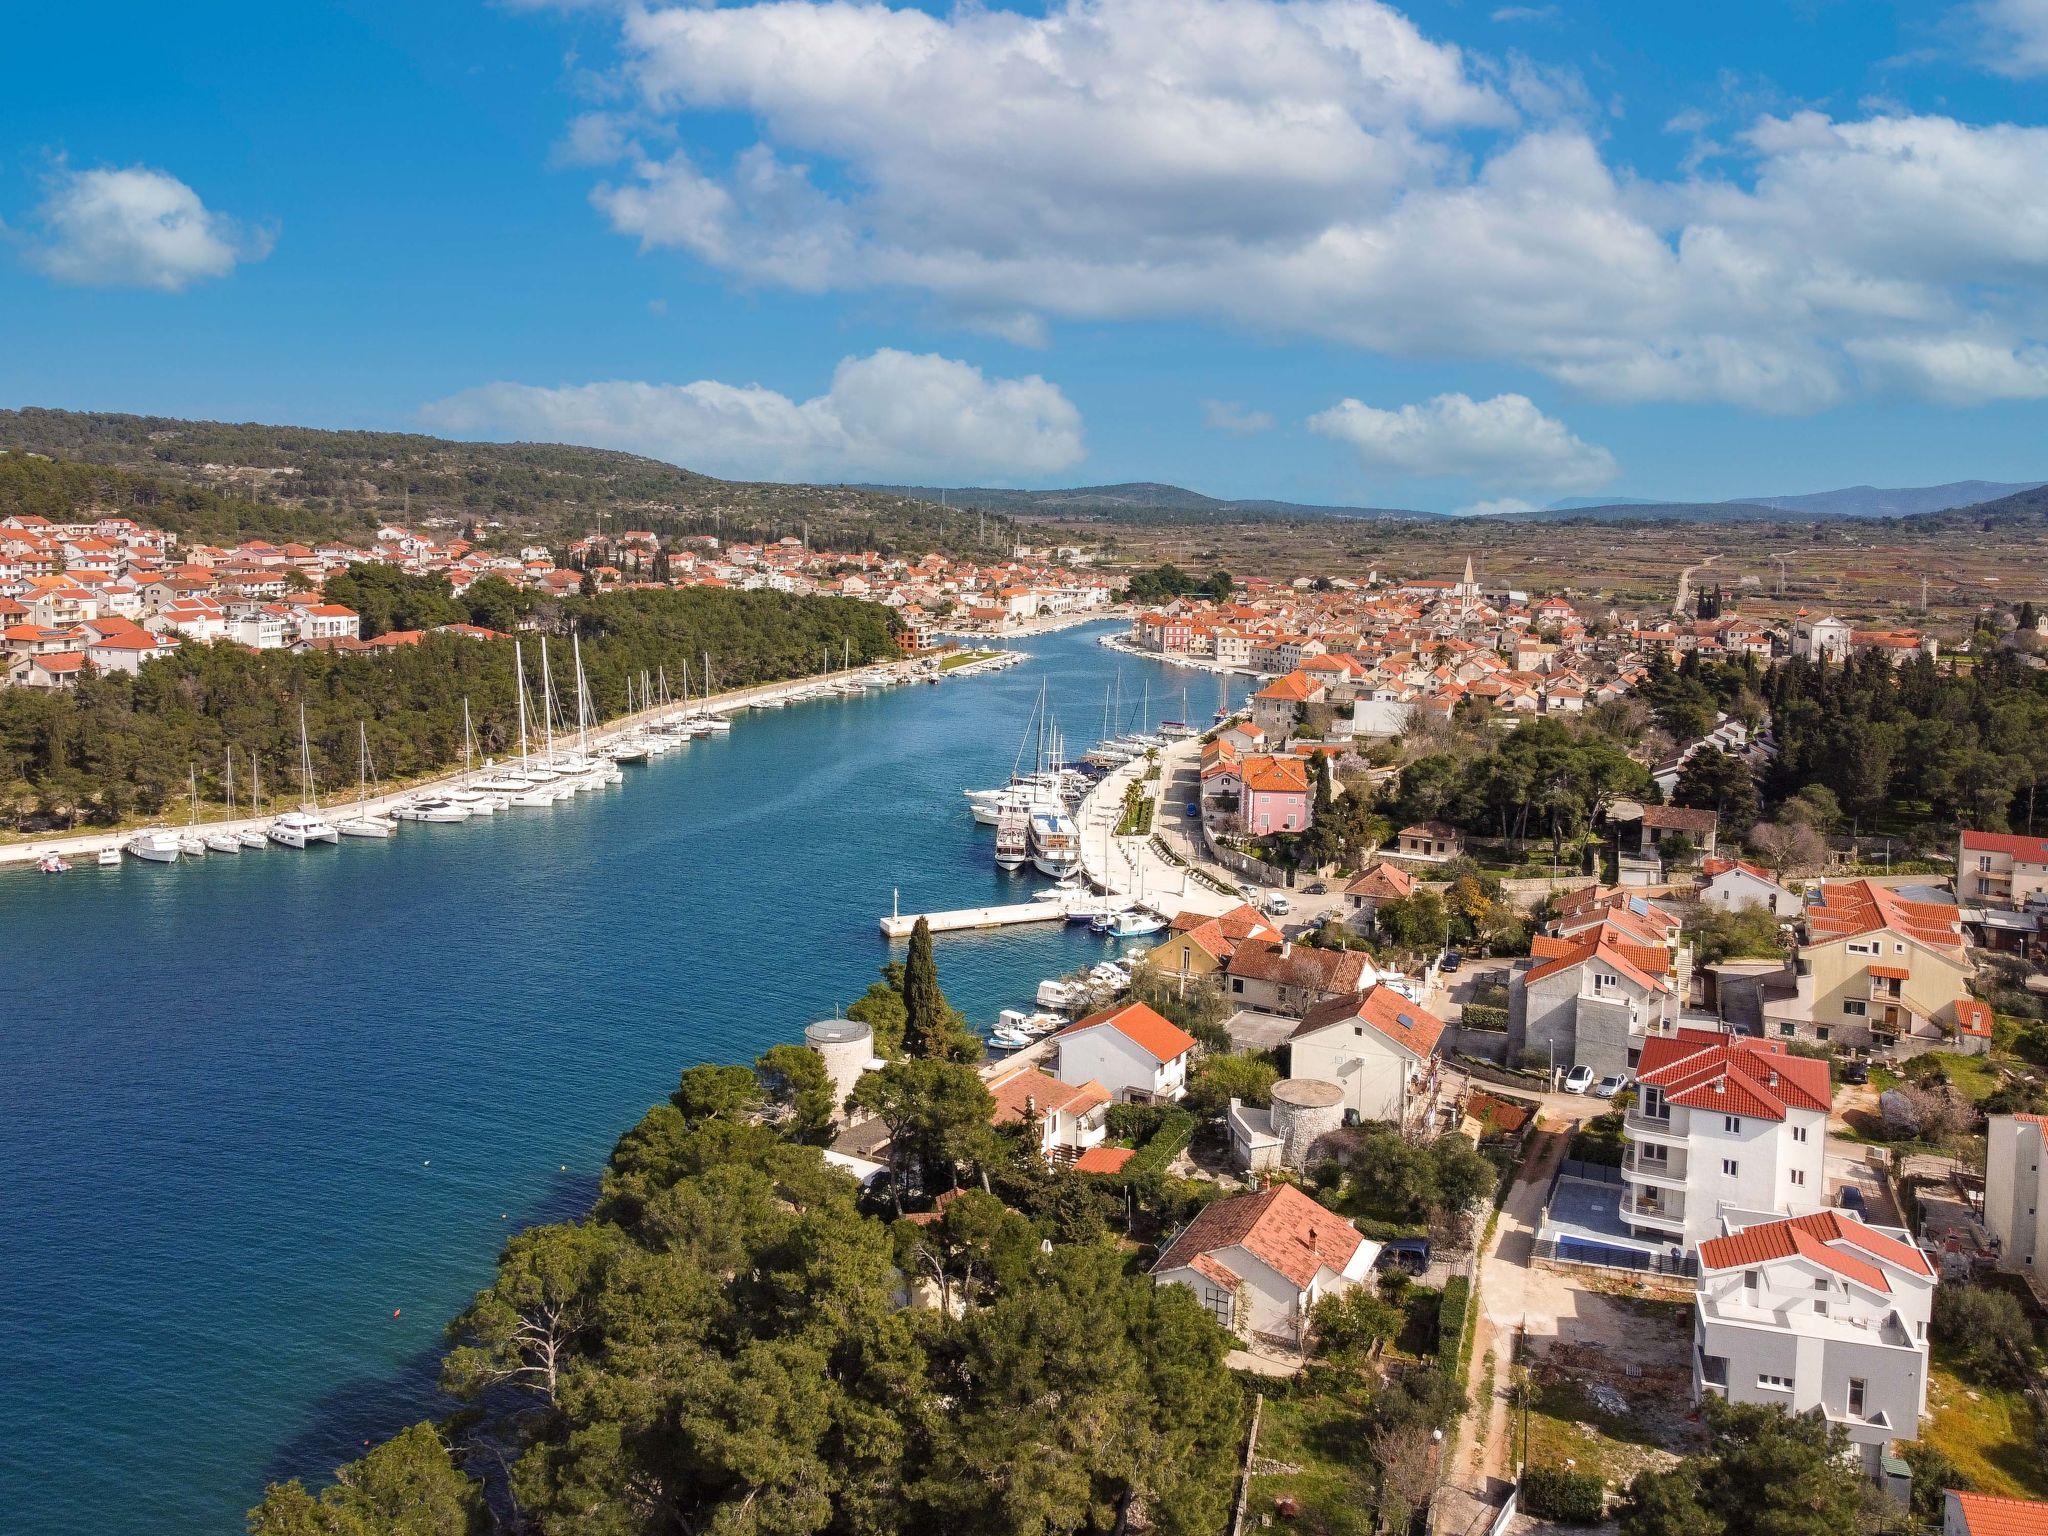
x=1193, y=811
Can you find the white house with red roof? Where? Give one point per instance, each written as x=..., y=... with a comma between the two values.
x=1592, y=995
x=1721, y=1123
x=1999, y=869
x=1376, y=1045
x=1070, y=1118
x=1261, y=1262
x=1137, y=1054
x=1732, y=884
x=1817, y=1314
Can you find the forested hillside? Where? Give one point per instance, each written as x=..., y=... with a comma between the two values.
x=318, y=480
x=121, y=746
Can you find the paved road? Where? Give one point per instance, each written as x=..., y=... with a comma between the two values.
x=1685, y=585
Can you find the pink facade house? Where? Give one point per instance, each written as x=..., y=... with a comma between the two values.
x=1276, y=794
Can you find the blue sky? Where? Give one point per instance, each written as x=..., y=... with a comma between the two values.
x=1447, y=255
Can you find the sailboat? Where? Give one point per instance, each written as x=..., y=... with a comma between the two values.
x=603, y=771
x=363, y=824
x=191, y=844
x=631, y=747
x=220, y=840
x=472, y=796
x=295, y=829
x=249, y=837
x=717, y=724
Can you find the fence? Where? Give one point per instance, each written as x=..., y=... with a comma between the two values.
x=1244, y=864
x=1588, y=1253
x=1592, y=1173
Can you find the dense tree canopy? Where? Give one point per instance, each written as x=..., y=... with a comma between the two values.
x=122, y=745
x=724, y=1346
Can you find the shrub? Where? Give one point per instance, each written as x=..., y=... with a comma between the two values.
x=1484, y=1016
x=1176, y=1129
x=1450, y=1326
x=1134, y=1122
x=1556, y=1493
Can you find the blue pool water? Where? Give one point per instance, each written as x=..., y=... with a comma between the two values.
x=265, y=1121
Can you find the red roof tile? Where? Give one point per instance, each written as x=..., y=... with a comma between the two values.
x=1143, y=1027
x=1280, y=1226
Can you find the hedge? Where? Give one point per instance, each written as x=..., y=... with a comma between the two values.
x=1450, y=1328
x=1176, y=1130
x=1484, y=1016
x=1135, y=1122
x=1556, y=1493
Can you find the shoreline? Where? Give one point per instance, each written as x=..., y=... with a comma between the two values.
x=22, y=850
x=1123, y=646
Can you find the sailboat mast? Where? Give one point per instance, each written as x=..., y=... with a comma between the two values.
x=312, y=802
x=547, y=700
x=519, y=687
x=582, y=698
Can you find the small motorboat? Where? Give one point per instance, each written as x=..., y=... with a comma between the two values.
x=192, y=847
x=1134, y=924
x=109, y=857
x=1033, y=1023
x=223, y=842
x=1008, y=1039
x=52, y=863
x=1063, y=996
x=431, y=808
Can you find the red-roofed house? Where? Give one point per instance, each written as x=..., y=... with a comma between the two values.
x=1732, y=884
x=1378, y=1046
x=1070, y=1118
x=1984, y=1514
x=1261, y=1262
x=1997, y=869
x=1140, y=1057
x=1874, y=970
x=1721, y=1122
x=1592, y=996
x=1276, y=794
x=1817, y=1313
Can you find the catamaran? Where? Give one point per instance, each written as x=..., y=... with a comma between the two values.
x=295, y=829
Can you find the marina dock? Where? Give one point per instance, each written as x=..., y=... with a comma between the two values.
x=1053, y=909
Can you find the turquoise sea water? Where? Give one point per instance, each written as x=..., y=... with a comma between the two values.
x=266, y=1120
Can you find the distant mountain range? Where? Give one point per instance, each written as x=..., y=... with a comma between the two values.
x=1153, y=502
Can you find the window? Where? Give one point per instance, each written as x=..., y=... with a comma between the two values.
x=1788, y=1030
x=1798, y=1176
x=1799, y=1133
x=1871, y=948
x=1856, y=1393
x=1732, y=1124
x=1730, y=1167
x=1237, y=983
x=1773, y=1383
x=1751, y=1281
x=1855, y=1008
x=1821, y=1033
x=1218, y=1301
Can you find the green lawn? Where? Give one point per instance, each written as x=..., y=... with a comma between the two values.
x=1988, y=1432
x=1318, y=1435
x=962, y=658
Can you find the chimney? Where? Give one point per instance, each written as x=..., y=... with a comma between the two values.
x=1286, y=948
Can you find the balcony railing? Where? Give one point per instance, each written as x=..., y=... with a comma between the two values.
x=1636, y=1166
x=1649, y=1125
x=1664, y=1211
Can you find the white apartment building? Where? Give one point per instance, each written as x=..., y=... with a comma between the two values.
x=1997, y=869
x=1817, y=1313
x=1721, y=1122
x=2014, y=1212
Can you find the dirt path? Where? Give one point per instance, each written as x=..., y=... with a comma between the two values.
x=1505, y=1272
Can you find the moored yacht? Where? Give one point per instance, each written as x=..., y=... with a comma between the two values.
x=1055, y=844
x=297, y=829
x=156, y=846
x=1013, y=839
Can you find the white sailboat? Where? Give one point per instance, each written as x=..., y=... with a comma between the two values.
x=603, y=771
x=518, y=786
x=716, y=724
x=190, y=843
x=363, y=824
x=249, y=837
x=223, y=841
x=296, y=829
x=470, y=793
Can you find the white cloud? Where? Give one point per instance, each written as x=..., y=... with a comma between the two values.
x=2016, y=36
x=1234, y=420
x=1505, y=441
x=891, y=415
x=1957, y=369
x=1319, y=168
x=135, y=228
x=1500, y=507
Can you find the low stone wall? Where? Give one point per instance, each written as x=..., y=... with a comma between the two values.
x=1244, y=864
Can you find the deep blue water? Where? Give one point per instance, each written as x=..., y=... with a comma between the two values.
x=266, y=1120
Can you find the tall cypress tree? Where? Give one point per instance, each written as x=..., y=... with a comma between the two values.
x=924, y=1006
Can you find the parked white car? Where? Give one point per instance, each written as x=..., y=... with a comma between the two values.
x=1578, y=1080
